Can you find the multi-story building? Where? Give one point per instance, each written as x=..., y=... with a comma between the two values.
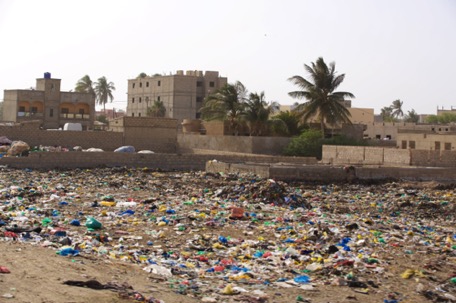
x=181, y=94
x=46, y=103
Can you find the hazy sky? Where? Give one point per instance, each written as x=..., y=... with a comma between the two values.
x=387, y=49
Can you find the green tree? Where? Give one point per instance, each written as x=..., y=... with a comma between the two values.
x=433, y=119
x=412, y=116
x=157, y=109
x=226, y=104
x=257, y=112
x=308, y=144
x=322, y=99
x=291, y=121
x=397, y=109
x=141, y=75
x=85, y=85
x=102, y=118
x=103, y=90
x=387, y=114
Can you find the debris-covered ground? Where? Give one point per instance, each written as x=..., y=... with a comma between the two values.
x=120, y=235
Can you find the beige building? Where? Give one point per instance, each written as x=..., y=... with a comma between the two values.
x=182, y=94
x=427, y=137
x=47, y=104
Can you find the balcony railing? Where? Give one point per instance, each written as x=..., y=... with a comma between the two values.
x=75, y=116
x=29, y=114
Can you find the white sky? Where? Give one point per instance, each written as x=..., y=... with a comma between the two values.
x=387, y=49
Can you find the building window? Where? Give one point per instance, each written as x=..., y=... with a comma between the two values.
x=404, y=144
x=81, y=111
x=158, y=83
x=139, y=99
x=199, y=83
x=412, y=144
x=132, y=114
x=21, y=109
x=133, y=85
x=140, y=84
x=198, y=116
x=378, y=137
x=147, y=84
x=132, y=100
x=447, y=146
x=437, y=145
x=51, y=112
x=212, y=84
x=199, y=99
x=139, y=114
x=64, y=111
x=34, y=109
x=158, y=98
x=147, y=99
x=388, y=137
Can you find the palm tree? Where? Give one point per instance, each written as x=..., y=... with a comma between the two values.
x=319, y=91
x=103, y=91
x=85, y=85
x=412, y=116
x=387, y=114
x=397, y=108
x=157, y=109
x=291, y=120
x=257, y=112
x=226, y=104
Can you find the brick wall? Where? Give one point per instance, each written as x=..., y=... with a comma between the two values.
x=433, y=158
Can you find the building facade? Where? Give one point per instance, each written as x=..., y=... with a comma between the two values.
x=47, y=104
x=181, y=94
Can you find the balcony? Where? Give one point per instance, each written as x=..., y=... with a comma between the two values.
x=75, y=116
x=29, y=115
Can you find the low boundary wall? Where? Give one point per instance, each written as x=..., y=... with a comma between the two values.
x=328, y=174
x=365, y=155
x=71, y=160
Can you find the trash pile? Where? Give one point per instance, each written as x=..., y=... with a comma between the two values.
x=221, y=237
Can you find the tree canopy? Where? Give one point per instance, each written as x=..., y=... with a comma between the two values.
x=319, y=91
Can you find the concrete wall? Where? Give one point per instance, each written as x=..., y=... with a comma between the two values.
x=156, y=134
x=70, y=160
x=428, y=140
x=238, y=144
x=364, y=155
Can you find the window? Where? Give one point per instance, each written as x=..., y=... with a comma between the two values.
x=133, y=85
x=437, y=145
x=22, y=109
x=446, y=129
x=147, y=99
x=132, y=100
x=447, y=146
x=34, y=109
x=51, y=112
x=199, y=83
x=212, y=84
x=81, y=111
x=378, y=137
x=199, y=99
x=198, y=115
x=158, y=83
x=158, y=98
x=412, y=144
x=147, y=84
x=64, y=110
x=139, y=114
x=388, y=137
x=140, y=84
x=139, y=99
x=404, y=144
x=132, y=114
